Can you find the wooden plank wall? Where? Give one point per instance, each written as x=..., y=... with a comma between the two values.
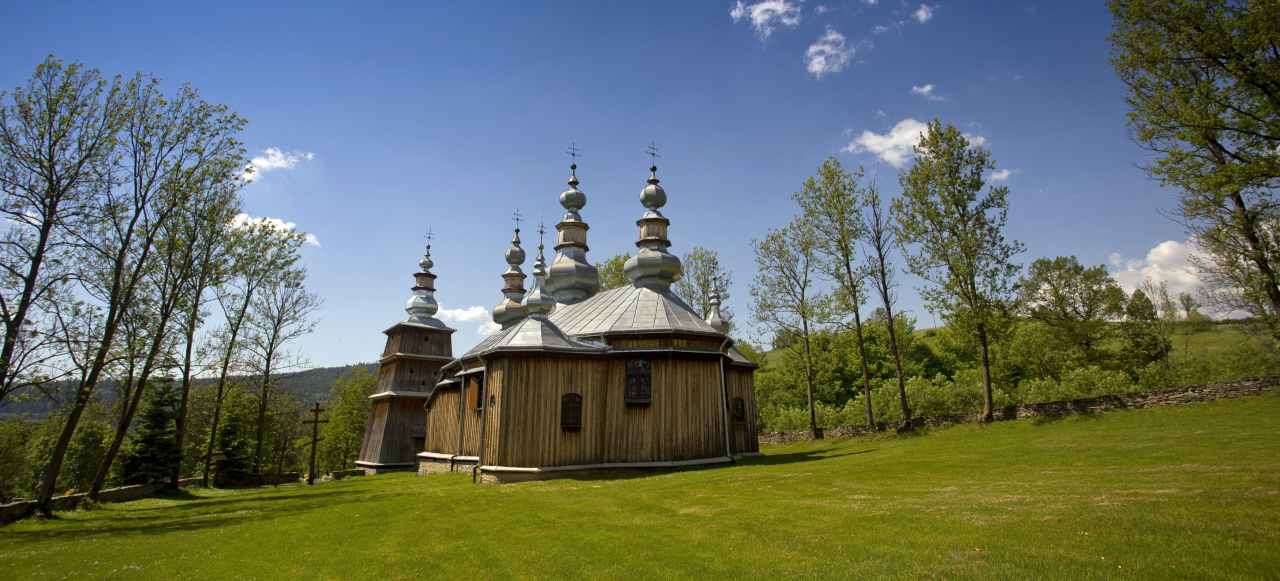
x=442, y=423
x=741, y=383
x=471, y=418
x=682, y=422
x=397, y=437
x=408, y=339
x=371, y=449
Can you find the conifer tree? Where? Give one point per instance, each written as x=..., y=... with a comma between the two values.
x=155, y=450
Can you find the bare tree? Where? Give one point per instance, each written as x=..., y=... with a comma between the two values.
x=280, y=315
x=880, y=240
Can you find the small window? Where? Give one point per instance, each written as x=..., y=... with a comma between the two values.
x=739, y=411
x=571, y=411
x=478, y=401
x=639, y=381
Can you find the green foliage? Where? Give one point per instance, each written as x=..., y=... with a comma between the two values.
x=1076, y=303
x=154, y=451
x=701, y=271
x=14, y=436
x=611, y=273
x=349, y=407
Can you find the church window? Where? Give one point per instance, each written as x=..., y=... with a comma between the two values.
x=571, y=411
x=478, y=402
x=639, y=381
x=739, y=411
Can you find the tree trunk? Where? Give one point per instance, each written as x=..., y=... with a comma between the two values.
x=181, y=421
x=866, y=374
x=814, y=431
x=222, y=385
x=13, y=326
x=262, y=417
x=1249, y=229
x=897, y=366
x=987, y=405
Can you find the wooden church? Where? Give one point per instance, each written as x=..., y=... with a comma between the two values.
x=577, y=379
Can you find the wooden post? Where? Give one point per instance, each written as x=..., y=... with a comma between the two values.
x=315, y=438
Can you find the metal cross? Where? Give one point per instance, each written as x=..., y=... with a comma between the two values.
x=541, y=231
x=573, y=152
x=517, y=217
x=430, y=236
x=653, y=153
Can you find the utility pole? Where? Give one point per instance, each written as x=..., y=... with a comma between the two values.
x=315, y=439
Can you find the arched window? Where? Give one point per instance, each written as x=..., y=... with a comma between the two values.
x=571, y=411
x=639, y=381
x=739, y=411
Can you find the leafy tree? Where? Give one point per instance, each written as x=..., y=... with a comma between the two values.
x=611, y=273
x=702, y=271
x=14, y=436
x=1078, y=304
x=832, y=205
x=880, y=242
x=349, y=409
x=1142, y=344
x=1203, y=80
x=155, y=449
x=952, y=237
x=786, y=298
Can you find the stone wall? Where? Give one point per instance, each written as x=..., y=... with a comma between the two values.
x=1144, y=399
x=16, y=510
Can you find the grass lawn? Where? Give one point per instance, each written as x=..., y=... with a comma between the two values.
x=1188, y=492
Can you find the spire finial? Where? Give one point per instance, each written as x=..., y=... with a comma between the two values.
x=426, y=262
x=518, y=218
x=540, y=265
x=652, y=150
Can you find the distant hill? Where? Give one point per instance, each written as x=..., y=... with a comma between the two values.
x=308, y=386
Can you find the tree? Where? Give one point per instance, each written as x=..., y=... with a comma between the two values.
x=259, y=253
x=1203, y=80
x=1166, y=315
x=278, y=316
x=832, y=206
x=611, y=273
x=1079, y=304
x=155, y=449
x=702, y=271
x=57, y=135
x=879, y=239
x=1142, y=344
x=349, y=407
x=952, y=237
x=785, y=297
x=163, y=143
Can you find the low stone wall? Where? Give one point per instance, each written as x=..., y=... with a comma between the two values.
x=1143, y=399
x=16, y=510
x=440, y=466
x=259, y=479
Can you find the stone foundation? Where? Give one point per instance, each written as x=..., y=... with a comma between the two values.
x=1139, y=400
x=440, y=466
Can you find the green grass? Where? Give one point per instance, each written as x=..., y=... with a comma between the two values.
x=1188, y=492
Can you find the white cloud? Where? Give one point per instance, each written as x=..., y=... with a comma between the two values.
x=273, y=159
x=894, y=146
x=820, y=9
x=1169, y=261
x=880, y=29
x=766, y=15
x=871, y=2
x=472, y=315
x=924, y=14
x=830, y=54
x=927, y=92
x=242, y=220
x=1002, y=175
x=975, y=139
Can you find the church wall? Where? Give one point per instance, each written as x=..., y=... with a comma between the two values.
x=740, y=382
x=442, y=423
x=404, y=374
x=418, y=341
x=402, y=415
x=683, y=421
x=663, y=342
x=471, y=416
x=374, y=432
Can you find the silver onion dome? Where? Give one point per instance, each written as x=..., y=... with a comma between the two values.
x=653, y=196
x=508, y=312
x=538, y=303
x=423, y=302
x=573, y=199
x=515, y=254
x=714, y=319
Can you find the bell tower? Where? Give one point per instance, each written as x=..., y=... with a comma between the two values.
x=417, y=348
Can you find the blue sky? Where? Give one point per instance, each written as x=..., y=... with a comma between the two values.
x=380, y=120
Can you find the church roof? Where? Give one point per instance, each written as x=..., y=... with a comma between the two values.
x=737, y=358
x=629, y=309
x=532, y=335
x=421, y=321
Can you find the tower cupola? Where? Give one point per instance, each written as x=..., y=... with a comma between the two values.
x=653, y=266
x=508, y=312
x=714, y=319
x=537, y=303
x=423, y=302
x=572, y=277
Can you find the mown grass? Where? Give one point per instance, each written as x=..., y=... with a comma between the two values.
x=1189, y=492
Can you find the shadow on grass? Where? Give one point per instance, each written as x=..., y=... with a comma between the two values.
x=793, y=457
x=196, y=513
x=1073, y=417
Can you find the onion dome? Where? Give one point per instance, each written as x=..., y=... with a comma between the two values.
x=508, y=312
x=653, y=266
x=572, y=277
x=714, y=319
x=423, y=302
x=537, y=303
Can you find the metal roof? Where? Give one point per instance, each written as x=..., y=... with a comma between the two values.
x=629, y=309
x=425, y=322
x=533, y=335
